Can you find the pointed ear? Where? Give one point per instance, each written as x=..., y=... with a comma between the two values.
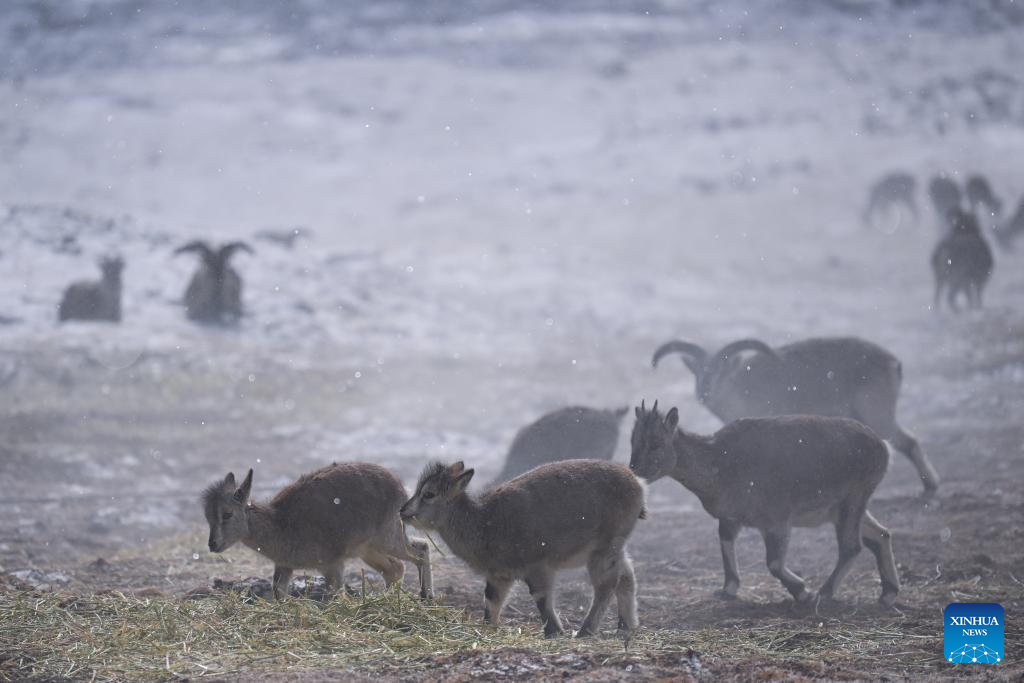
x=456, y=467
x=462, y=481
x=229, y=484
x=672, y=419
x=242, y=494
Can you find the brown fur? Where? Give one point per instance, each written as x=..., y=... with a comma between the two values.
x=559, y=515
x=304, y=528
x=830, y=376
x=773, y=474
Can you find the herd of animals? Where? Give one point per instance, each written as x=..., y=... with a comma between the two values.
x=962, y=262
x=806, y=441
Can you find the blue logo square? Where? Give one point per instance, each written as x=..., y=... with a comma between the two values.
x=973, y=633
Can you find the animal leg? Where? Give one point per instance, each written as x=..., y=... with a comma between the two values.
x=951, y=293
x=727, y=532
x=848, y=537
x=776, y=544
x=604, y=568
x=282, y=577
x=541, y=584
x=625, y=597
x=415, y=551
x=879, y=541
x=495, y=593
x=908, y=445
x=389, y=567
x=333, y=576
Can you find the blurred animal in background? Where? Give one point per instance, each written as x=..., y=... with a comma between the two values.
x=1008, y=232
x=556, y=516
x=945, y=196
x=339, y=512
x=94, y=300
x=894, y=191
x=214, y=294
x=773, y=474
x=980, y=197
x=830, y=376
x=962, y=262
x=565, y=434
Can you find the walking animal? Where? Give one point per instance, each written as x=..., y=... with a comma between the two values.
x=962, y=262
x=339, y=512
x=773, y=474
x=560, y=515
x=945, y=196
x=92, y=300
x=893, y=190
x=564, y=434
x=980, y=197
x=830, y=376
x=214, y=293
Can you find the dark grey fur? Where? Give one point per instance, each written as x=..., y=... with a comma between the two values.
x=773, y=474
x=214, y=294
x=893, y=190
x=95, y=300
x=962, y=262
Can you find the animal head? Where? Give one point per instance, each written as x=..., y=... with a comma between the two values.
x=111, y=267
x=439, y=486
x=224, y=505
x=653, y=455
x=962, y=222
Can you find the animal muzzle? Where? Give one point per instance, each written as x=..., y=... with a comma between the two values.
x=214, y=546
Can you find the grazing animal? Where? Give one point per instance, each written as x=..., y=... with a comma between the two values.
x=893, y=190
x=214, y=293
x=339, y=512
x=962, y=261
x=980, y=195
x=95, y=300
x=945, y=196
x=830, y=376
x=1007, y=233
x=773, y=474
x=560, y=515
x=564, y=434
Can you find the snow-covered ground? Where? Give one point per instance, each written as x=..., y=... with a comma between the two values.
x=498, y=208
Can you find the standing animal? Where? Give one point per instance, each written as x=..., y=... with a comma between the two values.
x=560, y=515
x=893, y=190
x=214, y=293
x=93, y=300
x=945, y=196
x=980, y=196
x=564, y=434
x=1008, y=232
x=773, y=474
x=962, y=262
x=830, y=376
x=339, y=512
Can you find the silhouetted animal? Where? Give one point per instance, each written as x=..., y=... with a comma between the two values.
x=962, y=262
x=980, y=197
x=564, y=434
x=560, y=515
x=945, y=196
x=773, y=474
x=339, y=512
x=893, y=190
x=214, y=293
x=830, y=376
x=95, y=300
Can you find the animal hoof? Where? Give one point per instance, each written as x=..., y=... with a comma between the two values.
x=807, y=597
x=723, y=594
x=585, y=633
x=888, y=599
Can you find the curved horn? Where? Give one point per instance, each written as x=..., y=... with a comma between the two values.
x=198, y=246
x=230, y=248
x=714, y=365
x=697, y=353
